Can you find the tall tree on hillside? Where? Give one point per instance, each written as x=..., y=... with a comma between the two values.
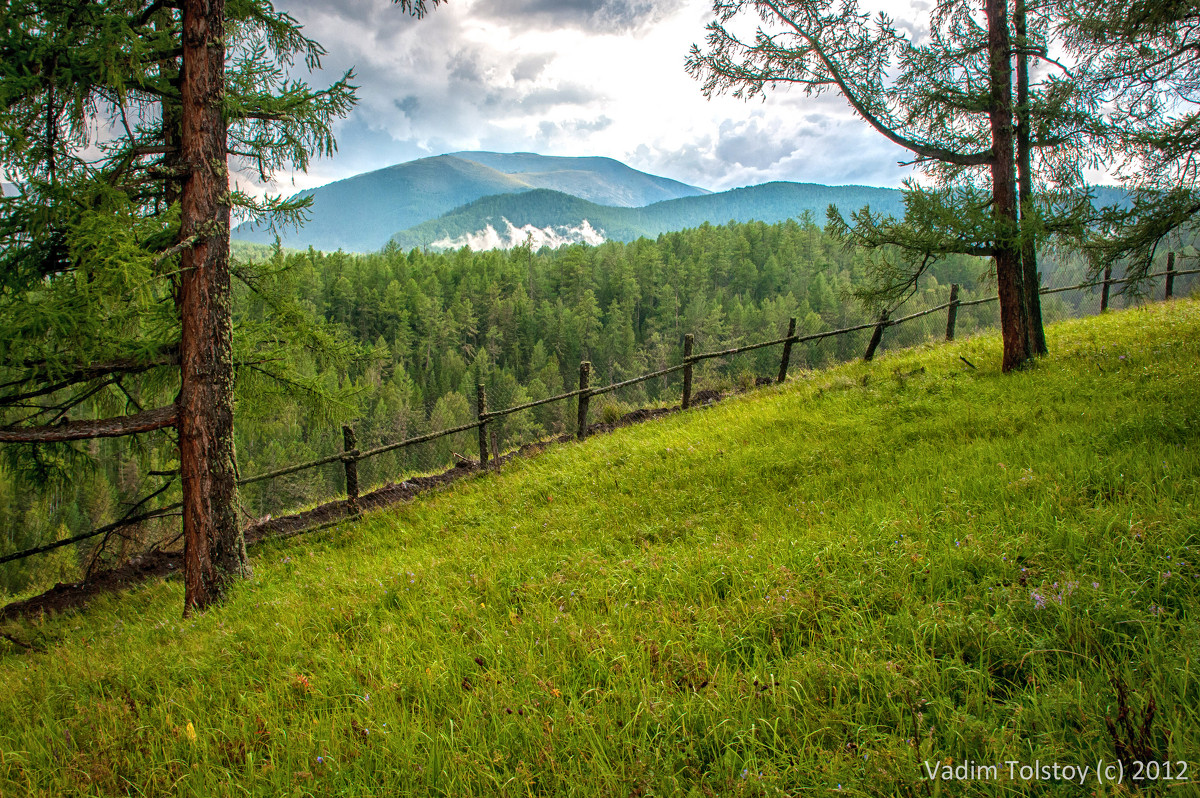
x=1143, y=58
x=948, y=100
x=214, y=550
x=115, y=266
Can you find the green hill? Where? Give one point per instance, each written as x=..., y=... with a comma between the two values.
x=360, y=213
x=830, y=587
x=770, y=202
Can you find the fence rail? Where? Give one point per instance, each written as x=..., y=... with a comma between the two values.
x=351, y=456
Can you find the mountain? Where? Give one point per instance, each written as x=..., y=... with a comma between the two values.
x=360, y=213
x=555, y=218
x=600, y=180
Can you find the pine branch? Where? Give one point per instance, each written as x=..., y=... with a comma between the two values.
x=169, y=356
x=186, y=243
x=116, y=427
x=924, y=150
x=151, y=10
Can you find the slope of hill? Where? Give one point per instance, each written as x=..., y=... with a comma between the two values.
x=512, y=217
x=832, y=587
x=601, y=180
x=360, y=213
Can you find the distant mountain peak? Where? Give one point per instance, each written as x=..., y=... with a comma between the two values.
x=362, y=212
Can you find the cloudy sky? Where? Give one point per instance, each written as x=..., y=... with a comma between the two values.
x=569, y=77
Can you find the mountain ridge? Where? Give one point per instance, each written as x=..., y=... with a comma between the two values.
x=545, y=210
x=362, y=212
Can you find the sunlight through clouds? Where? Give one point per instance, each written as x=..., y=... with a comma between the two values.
x=582, y=77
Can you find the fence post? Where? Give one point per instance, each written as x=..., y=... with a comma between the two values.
x=1104, y=289
x=952, y=314
x=350, y=462
x=876, y=337
x=585, y=371
x=481, y=395
x=687, y=371
x=1170, y=276
x=787, y=351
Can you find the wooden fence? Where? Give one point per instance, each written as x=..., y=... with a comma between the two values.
x=350, y=455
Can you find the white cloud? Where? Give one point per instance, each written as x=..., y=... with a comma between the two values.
x=581, y=77
x=513, y=236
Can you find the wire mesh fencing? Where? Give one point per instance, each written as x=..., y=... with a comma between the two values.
x=397, y=453
x=503, y=417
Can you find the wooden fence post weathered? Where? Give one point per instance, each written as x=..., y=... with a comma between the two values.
x=952, y=313
x=1170, y=287
x=481, y=395
x=787, y=351
x=688, y=340
x=350, y=462
x=1104, y=289
x=876, y=337
x=585, y=371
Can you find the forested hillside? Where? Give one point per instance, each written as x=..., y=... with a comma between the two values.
x=831, y=588
x=769, y=202
x=427, y=326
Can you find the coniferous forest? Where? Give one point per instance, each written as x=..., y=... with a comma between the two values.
x=407, y=336
x=383, y=439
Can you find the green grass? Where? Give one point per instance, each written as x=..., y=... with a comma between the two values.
x=823, y=584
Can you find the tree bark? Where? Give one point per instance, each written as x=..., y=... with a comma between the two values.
x=1029, y=267
x=1014, y=328
x=214, y=550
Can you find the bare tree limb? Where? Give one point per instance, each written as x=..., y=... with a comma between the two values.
x=115, y=427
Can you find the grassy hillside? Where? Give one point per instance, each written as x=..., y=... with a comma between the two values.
x=831, y=585
x=770, y=202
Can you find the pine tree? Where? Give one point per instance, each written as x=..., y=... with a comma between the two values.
x=1140, y=58
x=948, y=100
x=116, y=314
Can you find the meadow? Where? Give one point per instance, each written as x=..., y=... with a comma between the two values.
x=836, y=586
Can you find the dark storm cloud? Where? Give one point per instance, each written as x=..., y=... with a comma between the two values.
x=601, y=16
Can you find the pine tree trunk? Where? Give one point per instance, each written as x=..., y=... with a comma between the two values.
x=1029, y=267
x=214, y=550
x=1013, y=325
